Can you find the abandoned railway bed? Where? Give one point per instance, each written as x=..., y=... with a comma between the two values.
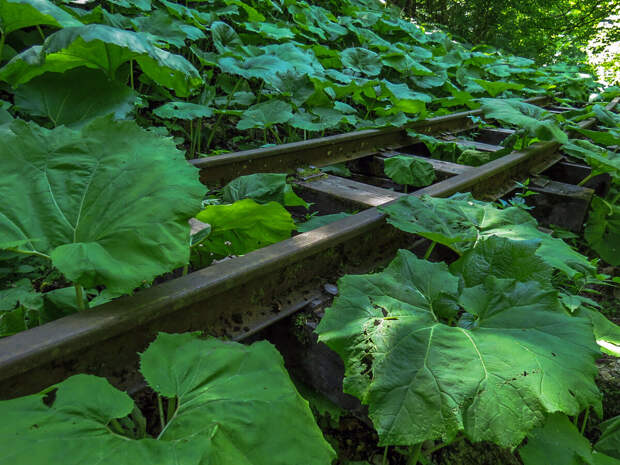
x=239, y=297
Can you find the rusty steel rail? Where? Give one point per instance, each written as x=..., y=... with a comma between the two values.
x=285, y=158
x=234, y=298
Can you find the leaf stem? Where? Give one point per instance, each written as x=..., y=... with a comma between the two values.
x=2, y=39
x=444, y=444
x=275, y=133
x=585, y=420
x=131, y=74
x=219, y=117
x=160, y=409
x=118, y=428
x=587, y=178
x=385, y=451
x=429, y=251
x=40, y=32
x=413, y=460
x=172, y=409
x=79, y=296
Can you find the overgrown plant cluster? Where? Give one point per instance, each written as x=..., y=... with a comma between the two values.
x=102, y=102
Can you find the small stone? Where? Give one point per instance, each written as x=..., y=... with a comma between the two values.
x=331, y=289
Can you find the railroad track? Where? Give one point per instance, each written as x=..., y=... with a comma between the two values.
x=238, y=298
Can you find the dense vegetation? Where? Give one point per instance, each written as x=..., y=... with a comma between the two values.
x=547, y=31
x=101, y=102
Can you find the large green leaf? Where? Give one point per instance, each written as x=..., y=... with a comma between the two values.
x=16, y=304
x=609, y=442
x=503, y=258
x=515, y=356
x=106, y=48
x=235, y=404
x=265, y=67
x=162, y=27
x=539, y=122
x=606, y=138
x=270, y=30
x=244, y=226
x=266, y=114
x=458, y=222
x=560, y=439
x=603, y=230
x=263, y=188
x=607, y=117
x=320, y=220
x=18, y=14
x=224, y=37
x=108, y=204
x=361, y=60
x=409, y=171
x=183, y=110
x=93, y=95
x=495, y=88
x=600, y=159
x=607, y=333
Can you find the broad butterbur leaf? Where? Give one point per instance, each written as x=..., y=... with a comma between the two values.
x=607, y=117
x=495, y=88
x=108, y=204
x=603, y=230
x=231, y=400
x=263, y=188
x=266, y=114
x=609, y=442
x=183, y=110
x=503, y=258
x=106, y=48
x=409, y=171
x=244, y=226
x=93, y=95
x=607, y=333
x=224, y=37
x=18, y=14
x=320, y=220
x=495, y=375
x=606, y=138
x=162, y=28
x=560, y=439
x=459, y=221
x=539, y=122
x=361, y=60
x=600, y=159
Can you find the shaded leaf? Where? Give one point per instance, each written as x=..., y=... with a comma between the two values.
x=49, y=96
x=224, y=37
x=102, y=47
x=19, y=14
x=266, y=114
x=361, y=60
x=183, y=110
x=560, y=439
x=409, y=171
x=603, y=230
x=320, y=220
x=230, y=398
x=540, y=123
x=263, y=188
